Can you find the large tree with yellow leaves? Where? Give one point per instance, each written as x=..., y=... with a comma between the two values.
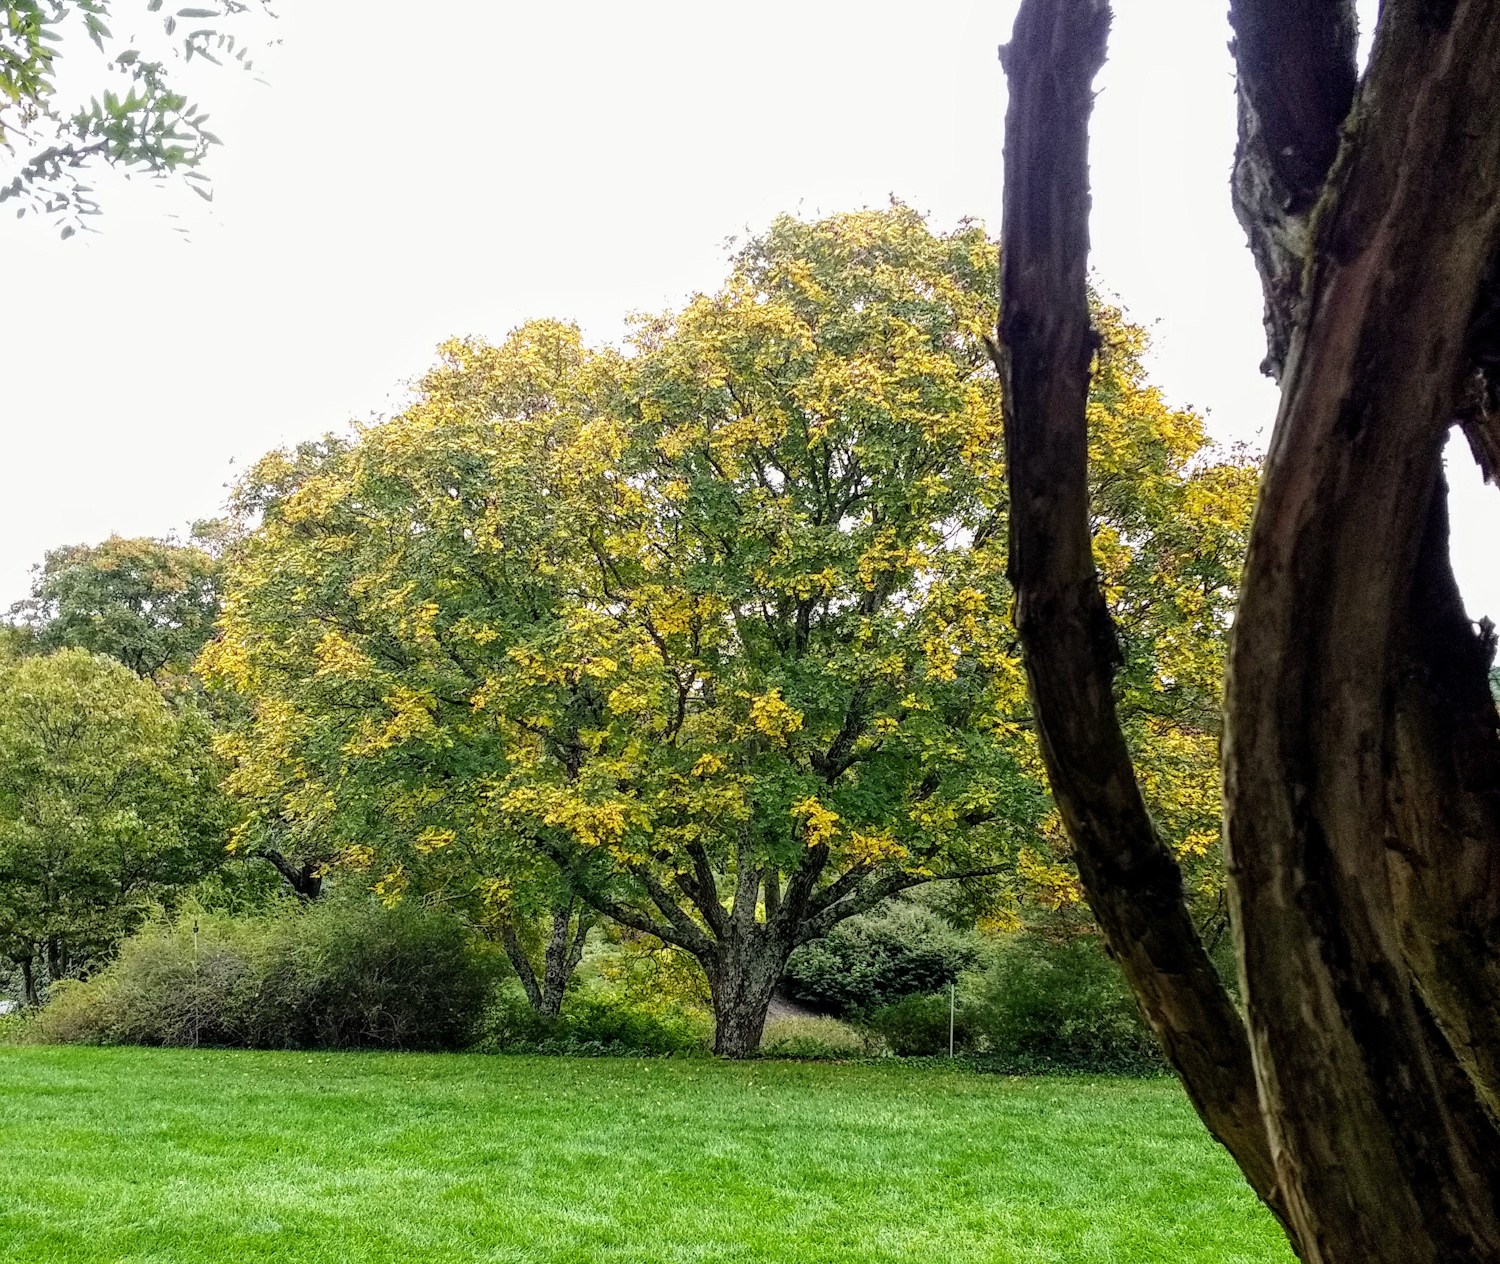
x=717, y=630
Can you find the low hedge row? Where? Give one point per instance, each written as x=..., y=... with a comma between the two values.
x=340, y=974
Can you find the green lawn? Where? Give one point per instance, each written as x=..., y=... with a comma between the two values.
x=135, y=1155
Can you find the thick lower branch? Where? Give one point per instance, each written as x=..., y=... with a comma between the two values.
x=305, y=879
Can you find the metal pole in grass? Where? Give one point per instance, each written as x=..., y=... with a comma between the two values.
x=196, y=998
x=952, y=1005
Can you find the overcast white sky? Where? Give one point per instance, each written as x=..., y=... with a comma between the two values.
x=413, y=172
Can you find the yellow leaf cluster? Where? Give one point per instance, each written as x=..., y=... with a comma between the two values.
x=820, y=824
x=772, y=716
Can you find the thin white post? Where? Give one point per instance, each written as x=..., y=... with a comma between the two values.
x=952, y=1004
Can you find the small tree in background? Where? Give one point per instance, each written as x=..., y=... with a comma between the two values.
x=109, y=801
x=149, y=603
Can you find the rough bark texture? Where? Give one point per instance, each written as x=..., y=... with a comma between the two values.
x=1444, y=760
x=1383, y=1149
x=1296, y=80
x=741, y=984
x=1362, y=744
x=1046, y=346
x=570, y=926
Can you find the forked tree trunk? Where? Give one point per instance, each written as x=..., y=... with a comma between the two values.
x=569, y=932
x=743, y=948
x=1334, y=771
x=1362, y=747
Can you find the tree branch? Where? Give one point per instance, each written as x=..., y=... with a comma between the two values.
x=1295, y=82
x=1131, y=878
x=799, y=887
x=520, y=961
x=854, y=900
x=637, y=920
x=702, y=890
x=690, y=935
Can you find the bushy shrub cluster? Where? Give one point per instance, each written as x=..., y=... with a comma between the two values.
x=1060, y=1004
x=917, y=1026
x=1042, y=1004
x=592, y=1026
x=346, y=973
x=877, y=958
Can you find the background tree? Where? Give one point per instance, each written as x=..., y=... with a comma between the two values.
x=151, y=604
x=143, y=122
x=1362, y=743
x=332, y=632
x=719, y=629
x=109, y=801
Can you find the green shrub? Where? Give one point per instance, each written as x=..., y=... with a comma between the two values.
x=591, y=1026
x=15, y=1026
x=917, y=1026
x=1050, y=1004
x=346, y=973
x=402, y=978
x=898, y=950
x=241, y=887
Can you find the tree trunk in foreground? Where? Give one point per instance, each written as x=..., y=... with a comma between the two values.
x=1362, y=746
x=1046, y=348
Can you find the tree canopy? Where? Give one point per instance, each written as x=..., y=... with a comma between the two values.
x=109, y=800
x=149, y=603
x=717, y=630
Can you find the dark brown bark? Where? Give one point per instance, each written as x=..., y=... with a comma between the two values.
x=1295, y=83
x=1444, y=761
x=1046, y=346
x=1383, y=1148
x=305, y=879
x=1362, y=744
x=28, y=981
x=1483, y=434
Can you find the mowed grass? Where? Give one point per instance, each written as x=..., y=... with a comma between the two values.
x=173, y=1156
